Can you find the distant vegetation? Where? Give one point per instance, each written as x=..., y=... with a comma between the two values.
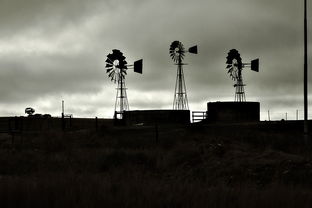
x=250, y=165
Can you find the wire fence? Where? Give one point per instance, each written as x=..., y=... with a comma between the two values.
x=277, y=115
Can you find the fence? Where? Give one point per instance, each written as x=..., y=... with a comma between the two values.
x=27, y=124
x=265, y=115
x=198, y=116
x=276, y=115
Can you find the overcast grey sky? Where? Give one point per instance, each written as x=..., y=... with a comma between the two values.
x=54, y=50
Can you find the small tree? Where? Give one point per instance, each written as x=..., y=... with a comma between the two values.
x=29, y=111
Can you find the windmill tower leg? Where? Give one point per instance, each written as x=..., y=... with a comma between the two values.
x=180, y=101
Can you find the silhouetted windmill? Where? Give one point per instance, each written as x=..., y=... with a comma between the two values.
x=235, y=67
x=116, y=67
x=177, y=53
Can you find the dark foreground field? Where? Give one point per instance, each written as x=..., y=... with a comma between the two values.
x=250, y=165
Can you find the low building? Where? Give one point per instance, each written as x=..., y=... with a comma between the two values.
x=160, y=117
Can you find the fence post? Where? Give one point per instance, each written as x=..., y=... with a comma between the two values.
x=11, y=131
x=21, y=129
x=22, y=124
x=96, y=124
x=15, y=123
x=63, y=122
x=70, y=121
x=63, y=116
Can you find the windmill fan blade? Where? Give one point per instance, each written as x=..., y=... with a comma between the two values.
x=233, y=54
x=109, y=69
x=122, y=63
x=174, y=45
x=176, y=50
x=116, y=65
x=116, y=55
x=125, y=63
x=110, y=58
x=108, y=65
x=193, y=49
x=229, y=61
x=138, y=66
x=111, y=74
x=255, y=65
x=117, y=52
x=109, y=61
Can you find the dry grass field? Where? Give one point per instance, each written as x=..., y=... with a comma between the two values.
x=249, y=165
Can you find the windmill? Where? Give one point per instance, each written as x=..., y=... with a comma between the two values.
x=177, y=53
x=235, y=67
x=116, y=67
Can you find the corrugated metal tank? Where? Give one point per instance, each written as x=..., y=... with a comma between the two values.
x=233, y=112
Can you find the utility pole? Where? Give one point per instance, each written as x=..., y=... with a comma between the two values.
x=305, y=85
x=63, y=116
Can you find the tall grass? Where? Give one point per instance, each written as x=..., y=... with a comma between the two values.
x=129, y=167
x=136, y=190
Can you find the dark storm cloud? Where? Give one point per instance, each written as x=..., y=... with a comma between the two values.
x=16, y=15
x=51, y=49
x=35, y=76
x=254, y=30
